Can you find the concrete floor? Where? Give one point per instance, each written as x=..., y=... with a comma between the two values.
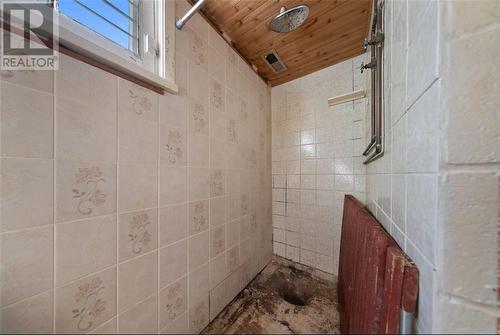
x=281, y=300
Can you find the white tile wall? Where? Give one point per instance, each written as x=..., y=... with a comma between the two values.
x=316, y=160
x=402, y=186
x=469, y=178
x=436, y=188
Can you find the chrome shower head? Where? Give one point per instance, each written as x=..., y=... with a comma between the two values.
x=289, y=20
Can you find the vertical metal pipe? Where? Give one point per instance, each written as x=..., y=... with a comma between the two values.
x=182, y=21
x=405, y=322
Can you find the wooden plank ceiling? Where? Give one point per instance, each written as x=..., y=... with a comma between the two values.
x=333, y=32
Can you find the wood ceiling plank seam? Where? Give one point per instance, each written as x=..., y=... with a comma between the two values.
x=330, y=57
x=317, y=67
x=320, y=53
x=328, y=47
x=239, y=15
x=216, y=7
x=325, y=50
x=288, y=56
x=354, y=35
x=313, y=65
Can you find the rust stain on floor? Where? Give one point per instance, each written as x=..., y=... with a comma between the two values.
x=281, y=300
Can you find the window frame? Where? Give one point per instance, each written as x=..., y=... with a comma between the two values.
x=87, y=42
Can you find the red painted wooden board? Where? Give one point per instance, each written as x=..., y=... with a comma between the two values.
x=376, y=279
x=393, y=286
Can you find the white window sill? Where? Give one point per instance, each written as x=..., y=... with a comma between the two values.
x=88, y=43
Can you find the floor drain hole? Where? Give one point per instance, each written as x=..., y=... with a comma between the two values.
x=293, y=298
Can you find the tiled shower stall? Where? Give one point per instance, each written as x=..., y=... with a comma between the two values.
x=317, y=159
x=124, y=210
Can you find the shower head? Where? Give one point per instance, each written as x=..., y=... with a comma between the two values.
x=289, y=19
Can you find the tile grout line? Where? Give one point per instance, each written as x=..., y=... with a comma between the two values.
x=1, y=204
x=54, y=199
x=117, y=237
x=188, y=127
x=158, y=231
x=209, y=102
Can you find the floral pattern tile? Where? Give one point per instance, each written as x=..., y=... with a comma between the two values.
x=137, y=101
x=138, y=233
x=233, y=259
x=198, y=217
x=253, y=222
x=217, y=182
x=173, y=150
x=173, y=302
x=245, y=204
x=217, y=98
x=232, y=131
x=140, y=104
x=243, y=111
x=198, y=51
x=86, y=303
x=89, y=193
x=90, y=303
x=199, y=118
x=198, y=317
x=84, y=189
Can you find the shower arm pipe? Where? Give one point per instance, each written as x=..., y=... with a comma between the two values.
x=379, y=152
x=182, y=21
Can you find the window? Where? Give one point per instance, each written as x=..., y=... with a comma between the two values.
x=117, y=20
x=127, y=35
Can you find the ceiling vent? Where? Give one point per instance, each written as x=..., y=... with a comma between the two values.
x=274, y=61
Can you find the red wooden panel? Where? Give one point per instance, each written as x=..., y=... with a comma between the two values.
x=377, y=257
x=375, y=277
x=355, y=311
x=410, y=289
x=394, y=273
x=352, y=248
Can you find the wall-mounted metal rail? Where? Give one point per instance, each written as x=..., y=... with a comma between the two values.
x=182, y=21
x=375, y=42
